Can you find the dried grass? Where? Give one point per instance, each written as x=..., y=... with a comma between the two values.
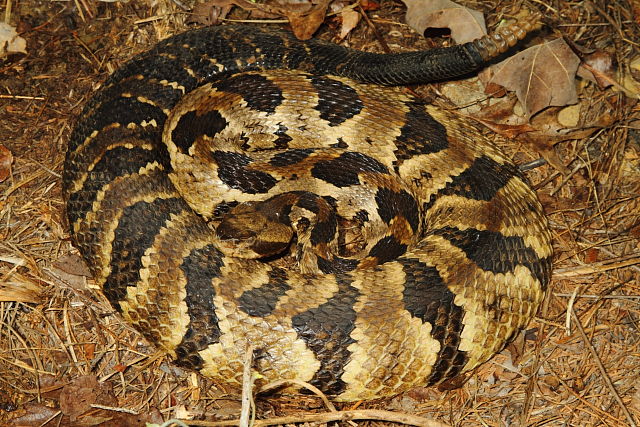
x=579, y=363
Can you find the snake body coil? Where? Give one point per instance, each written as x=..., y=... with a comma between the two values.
x=235, y=187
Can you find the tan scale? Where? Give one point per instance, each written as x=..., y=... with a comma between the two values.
x=165, y=318
x=405, y=346
x=108, y=219
x=287, y=355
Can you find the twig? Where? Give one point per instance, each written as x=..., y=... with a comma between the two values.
x=607, y=251
x=303, y=384
x=371, y=25
x=603, y=371
x=532, y=164
x=359, y=414
x=114, y=409
x=247, y=389
x=597, y=267
x=35, y=98
x=280, y=383
x=589, y=296
x=7, y=12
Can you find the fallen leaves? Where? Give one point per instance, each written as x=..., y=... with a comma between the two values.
x=598, y=67
x=541, y=76
x=350, y=19
x=210, y=12
x=10, y=41
x=465, y=24
x=306, y=20
x=304, y=16
x=35, y=414
x=78, y=396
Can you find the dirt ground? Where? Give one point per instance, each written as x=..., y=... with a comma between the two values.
x=67, y=359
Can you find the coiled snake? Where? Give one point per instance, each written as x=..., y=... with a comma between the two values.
x=236, y=187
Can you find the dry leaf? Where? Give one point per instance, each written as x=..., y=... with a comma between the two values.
x=455, y=382
x=10, y=42
x=541, y=76
x=591, y=255
x=35, y=415
x=304, y=16
x=506, y=130
x=569, y=117
x=367, y=5
x=465, y=24
x=516, y=348
x=543, y=131
x=213, y=11
x=305, y=23
x=598, y=68
x=6, y=158
x=501, y=111
x=350, y=19
x=72, y=264
x=210, y=12
x=89, y=350
x=78, y=396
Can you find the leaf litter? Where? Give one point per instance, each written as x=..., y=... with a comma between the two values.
x=541, y=76
x=59, y=333
x=465, y=24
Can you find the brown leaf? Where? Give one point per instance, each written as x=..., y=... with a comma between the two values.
x=455, y=382
x=89, y=350
x=6, y=158
x=541, y=133
x=598, y=67
x=213, y=11
x=541, y=76
x=10, y=42
x=71, y=270
x=78, y=396
x=210, y=12
x=516, y=348
x=508, y=131
x=500, y=111
x=119, y=367
x=591, y=255
x=350, y=19
x=541, y=145
x=33, y=414
x=465, y=24
x=305, y=23
x=367, y=5
x=72, y=264
x=304, y=16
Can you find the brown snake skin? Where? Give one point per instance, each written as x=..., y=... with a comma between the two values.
x=235, y=187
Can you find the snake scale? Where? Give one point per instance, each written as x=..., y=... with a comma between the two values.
x=234, y=188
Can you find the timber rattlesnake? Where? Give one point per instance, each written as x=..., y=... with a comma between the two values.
x=366, y=241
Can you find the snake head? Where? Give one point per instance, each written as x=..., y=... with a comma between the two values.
x=254, y=230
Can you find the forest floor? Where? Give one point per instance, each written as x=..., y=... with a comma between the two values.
x=67, y=359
